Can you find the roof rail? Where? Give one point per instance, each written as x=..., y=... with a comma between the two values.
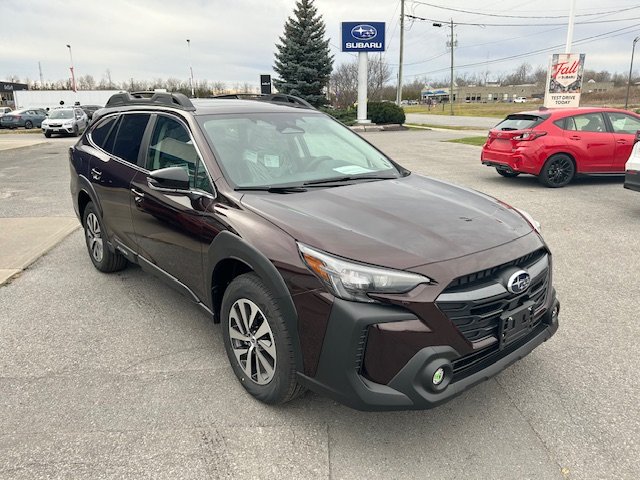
x=269, y=97
x=177, y=100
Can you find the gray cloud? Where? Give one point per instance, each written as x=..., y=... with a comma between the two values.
x=234, y=41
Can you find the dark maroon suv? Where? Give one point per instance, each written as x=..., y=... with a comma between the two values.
x=329, y=266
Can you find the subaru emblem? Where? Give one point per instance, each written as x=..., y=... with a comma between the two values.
x=519, y=282
x=364, y=32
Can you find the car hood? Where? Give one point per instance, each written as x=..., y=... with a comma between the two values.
x=399, y=223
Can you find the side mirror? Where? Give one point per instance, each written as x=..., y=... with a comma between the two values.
x=171, y=178
x=637, y=139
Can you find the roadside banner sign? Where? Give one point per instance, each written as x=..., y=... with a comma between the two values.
x=564, y=80
x=363, y=36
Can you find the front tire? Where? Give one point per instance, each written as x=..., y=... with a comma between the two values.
x=507, y=173
x=101, y=256
x=558, y=171
x=47, y=134
x=28, y=125
x=257, y=341
x=76, y=132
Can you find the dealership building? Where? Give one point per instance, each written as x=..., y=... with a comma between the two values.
x=494, y=92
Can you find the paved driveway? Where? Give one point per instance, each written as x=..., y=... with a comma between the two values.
x=117, y=376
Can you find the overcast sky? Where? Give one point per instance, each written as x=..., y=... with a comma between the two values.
x=233, y=41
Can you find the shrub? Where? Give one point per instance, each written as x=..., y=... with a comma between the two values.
x=346, y=116
x=385, y=112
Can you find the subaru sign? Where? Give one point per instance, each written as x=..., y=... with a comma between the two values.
x=363, y=36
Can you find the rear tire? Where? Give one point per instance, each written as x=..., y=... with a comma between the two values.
x=558, y=171
x=101, y=256
x=257, y=341
x=507, y=173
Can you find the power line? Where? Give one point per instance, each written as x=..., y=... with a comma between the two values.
x=520, y=24
x=616, y=33
x=521, y=16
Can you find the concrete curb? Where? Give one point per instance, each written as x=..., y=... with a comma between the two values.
x=25, y=240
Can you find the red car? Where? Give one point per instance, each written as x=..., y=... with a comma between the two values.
x=557, y=144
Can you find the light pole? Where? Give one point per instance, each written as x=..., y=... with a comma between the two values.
x=73, y=76
x=633, y=49
x=193, y=93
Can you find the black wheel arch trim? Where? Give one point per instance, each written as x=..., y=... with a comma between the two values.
x=227, y=245
x=84, y=185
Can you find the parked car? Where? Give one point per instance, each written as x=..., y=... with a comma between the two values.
x=90, y=110
x=520, y=100
x=556, y=145
x=27, y=118
x=328, y=265
x=65, y=121
x=632, y=167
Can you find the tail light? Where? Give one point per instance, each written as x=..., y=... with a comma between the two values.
x=528, y=136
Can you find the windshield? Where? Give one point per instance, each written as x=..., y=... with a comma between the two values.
x=275, y=149
x=519, y=122
x=61, y=114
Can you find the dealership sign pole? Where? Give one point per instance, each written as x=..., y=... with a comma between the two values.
x=362, y=37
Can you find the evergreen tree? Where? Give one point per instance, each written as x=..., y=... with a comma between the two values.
x=303, y=60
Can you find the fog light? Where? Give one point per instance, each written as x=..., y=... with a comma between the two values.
x=438, y=376
x=554, y=312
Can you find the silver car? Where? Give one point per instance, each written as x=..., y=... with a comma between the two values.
x=68, y=121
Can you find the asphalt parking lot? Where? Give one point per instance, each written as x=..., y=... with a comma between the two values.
x=118, y=376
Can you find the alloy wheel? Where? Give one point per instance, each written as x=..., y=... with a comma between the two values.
x=94, y=237
x=252, y=341
x=560, y=171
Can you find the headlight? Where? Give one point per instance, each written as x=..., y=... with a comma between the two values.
x=534, y=223
x=353, y=281
x=68, y=122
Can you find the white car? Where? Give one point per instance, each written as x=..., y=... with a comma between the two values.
x=632, y=168
x=520, y=100
x=68, y=121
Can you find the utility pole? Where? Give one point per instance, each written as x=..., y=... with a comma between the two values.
x=633, y=50
x=451, y=83
x=193, y=94
x=41, y=77
x=399, y=92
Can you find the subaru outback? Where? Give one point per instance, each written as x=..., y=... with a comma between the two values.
x=328, y=265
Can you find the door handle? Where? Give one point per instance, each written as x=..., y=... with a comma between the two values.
x=96, y=174
x=621, y=141
x=574, y=137
x=137, y=195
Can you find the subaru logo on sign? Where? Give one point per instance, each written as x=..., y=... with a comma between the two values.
x=519, y=282
x=364, y=32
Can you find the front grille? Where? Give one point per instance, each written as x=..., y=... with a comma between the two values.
x=484, y=275
x=474, y=303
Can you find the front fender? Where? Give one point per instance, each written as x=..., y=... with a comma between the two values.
x=227, y=245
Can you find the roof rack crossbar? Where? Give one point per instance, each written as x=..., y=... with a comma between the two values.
x=177, y=100
x=291, y=100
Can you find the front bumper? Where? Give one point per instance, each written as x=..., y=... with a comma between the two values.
x=60, y=129
x=339, y=374
x=632, y=180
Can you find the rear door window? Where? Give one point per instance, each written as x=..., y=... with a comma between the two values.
x=129, y=138
x=588, y=122
x=100, y=132
x=519, y=122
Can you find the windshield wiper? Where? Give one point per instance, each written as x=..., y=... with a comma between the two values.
x=283, y=189
x=349, y=178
